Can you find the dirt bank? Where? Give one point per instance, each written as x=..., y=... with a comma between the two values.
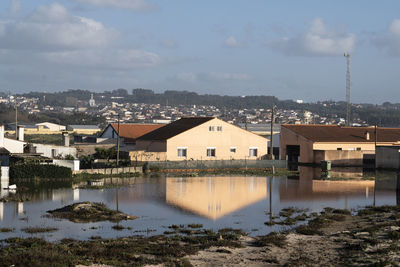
x=367, y=239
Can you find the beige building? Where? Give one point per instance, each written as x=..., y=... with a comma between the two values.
x=199, y=138
x=349, y=146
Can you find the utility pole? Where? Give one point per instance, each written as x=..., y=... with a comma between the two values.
x=16, y=120
x=118, y=143
x=347, y=55
x=271, y=145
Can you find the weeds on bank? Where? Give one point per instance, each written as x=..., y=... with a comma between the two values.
x=127, y=251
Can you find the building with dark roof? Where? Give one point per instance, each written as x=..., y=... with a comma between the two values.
x=199, y=138
x=128, y=132
x=341, y=145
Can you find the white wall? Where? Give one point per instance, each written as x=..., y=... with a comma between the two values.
x=14, y=146
x=52, y=126
x=72, y=164
x=47, y=150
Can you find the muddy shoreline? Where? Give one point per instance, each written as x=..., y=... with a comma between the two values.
x=331, y=238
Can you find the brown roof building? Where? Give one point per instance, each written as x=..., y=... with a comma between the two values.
x=129, y=131
x=349, y=146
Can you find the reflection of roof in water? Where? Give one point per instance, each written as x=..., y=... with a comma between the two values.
x=215, y=197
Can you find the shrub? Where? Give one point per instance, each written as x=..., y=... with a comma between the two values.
x=40, y=171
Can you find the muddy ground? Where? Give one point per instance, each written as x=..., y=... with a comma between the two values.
x=332, y=238
x=370, y=238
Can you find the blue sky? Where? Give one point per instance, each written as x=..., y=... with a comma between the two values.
x=290, y=49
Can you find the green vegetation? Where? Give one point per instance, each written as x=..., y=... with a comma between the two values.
x=53, y=139
x=39, y=171
x=6, y=230
x=89, y=212
x=36, y=230
x=127, y=251
x=274, y=238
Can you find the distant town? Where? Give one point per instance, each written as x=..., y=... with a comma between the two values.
x=145, y=106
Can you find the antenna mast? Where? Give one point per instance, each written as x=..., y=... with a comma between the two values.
x=347, y=55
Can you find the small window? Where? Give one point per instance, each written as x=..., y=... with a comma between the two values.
x=211, y=152
x=339, y=148
x=233, y=149
x=211, y=128
x=219, y=128
x=253, y=152
x=182, y=152
x=358, y=148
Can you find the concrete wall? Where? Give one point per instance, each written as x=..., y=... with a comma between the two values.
x=291, y=138
x=340, y=157
x=387, y=157
x=142, y=155
x=47, y=150
x=72, y=164
x=344, y=146
x=218, y=164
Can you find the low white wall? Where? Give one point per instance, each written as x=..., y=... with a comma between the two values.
x=72, y=164
x=47, y=150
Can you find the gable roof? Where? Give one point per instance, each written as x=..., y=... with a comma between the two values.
x=130, y=132
x=175, y=128
x=335, y=133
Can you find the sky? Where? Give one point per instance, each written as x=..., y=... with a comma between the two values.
x=289, y=49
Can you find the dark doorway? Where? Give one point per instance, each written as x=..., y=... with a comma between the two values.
x=293, y=153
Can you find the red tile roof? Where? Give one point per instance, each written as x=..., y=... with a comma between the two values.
x=334, y=133
x=130, y=132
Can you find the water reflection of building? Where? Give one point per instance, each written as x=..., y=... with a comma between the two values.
x=217, y=196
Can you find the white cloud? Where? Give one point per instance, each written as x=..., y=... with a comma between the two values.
x=390, y=40
x=316, y=41
x=51, y=40
x=136, y=5
x=232, y=42
x=53, y=28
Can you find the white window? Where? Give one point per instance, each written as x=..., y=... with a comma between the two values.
x=253, y=151
x=211, y=128
x=233, y=149
x=182, y=152
x=210, y=151
x=219, y=128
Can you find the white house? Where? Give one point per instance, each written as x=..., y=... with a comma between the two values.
x=52, y=126
x=12, y=145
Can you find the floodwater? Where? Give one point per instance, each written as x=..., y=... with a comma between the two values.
x=216, y=202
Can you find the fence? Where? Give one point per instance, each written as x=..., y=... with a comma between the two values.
x=218, y=164
x=130, y=169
